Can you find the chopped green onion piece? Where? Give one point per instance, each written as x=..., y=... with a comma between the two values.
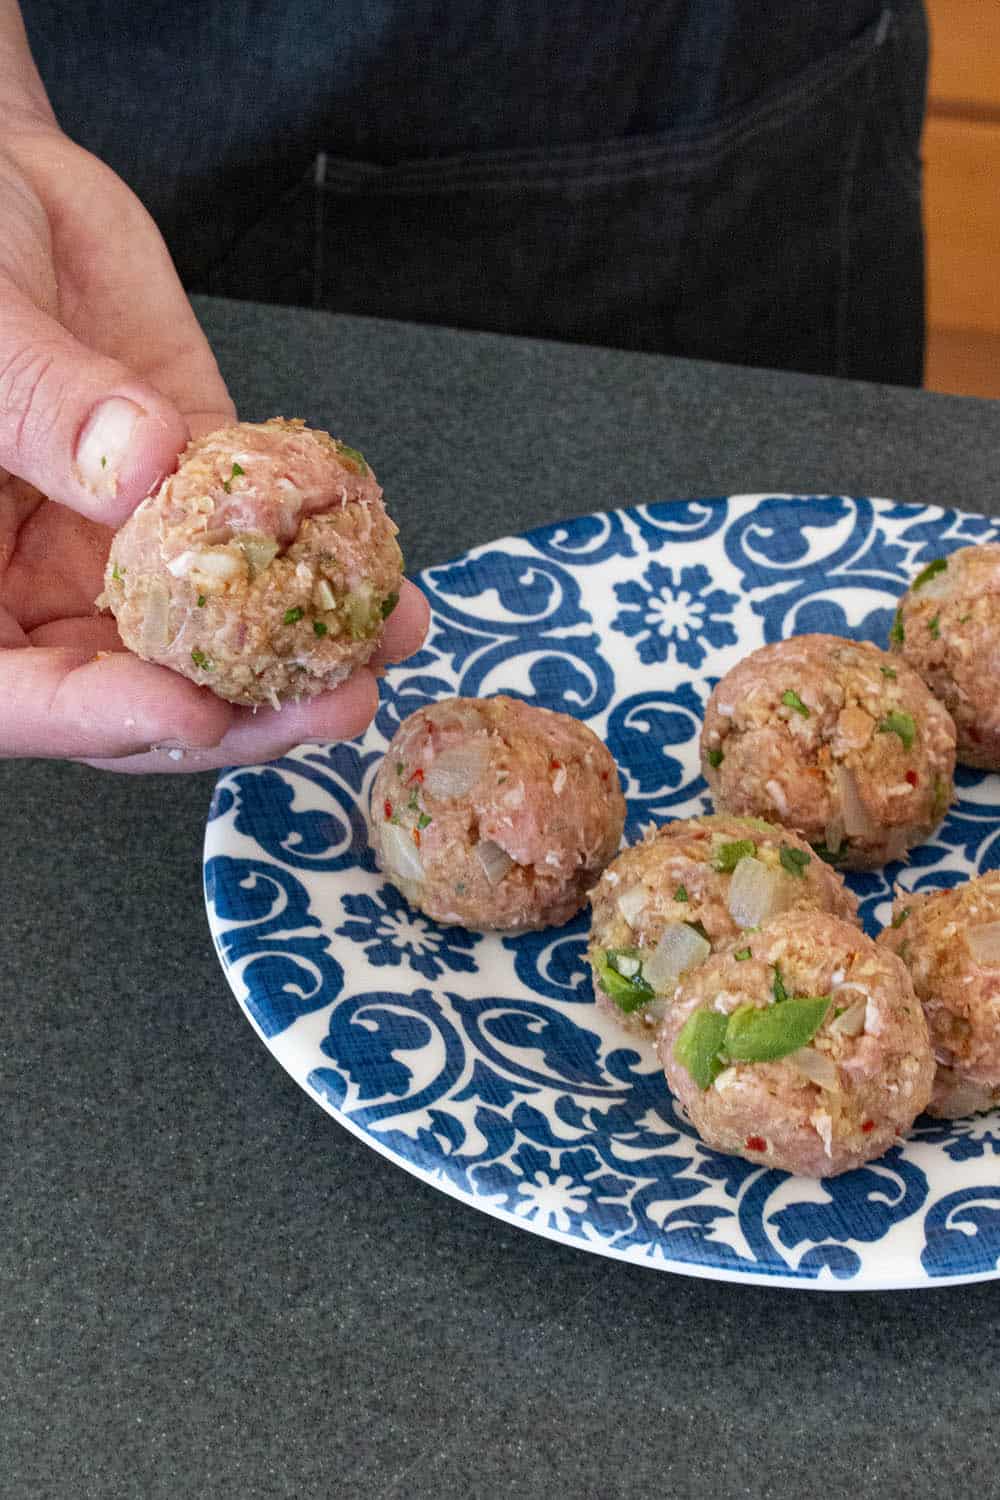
x=227, y=484
x=238, y=469
x=201, y=601
x=942, y=794
x=934, y=626
x=628, y=991
x=900, y=724
x=117, y=573
x=901, y=917
x=320, y=628
x=201, y=660
x=681, y=893
x=388, y=605
x=714, y=758
x=698, y=1045
x=293, y=616
x=792, y=700
x=742, y=954
x=897, y=634
x=778, y=987
x=424, y=819
x=727, y=856
x=400, y=767
x=765, y=1033
x=353, y=455
x=104, y=460
x=889, y=672
x=793, y=860
x=926, y=574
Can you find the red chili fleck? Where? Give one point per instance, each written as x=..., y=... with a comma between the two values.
x=912, y=778
x=418, y=775
x=416, y=837
x=388, y=808
x=755, y=1143
x=555, y=765
x=867, y=1126
x=605, y=775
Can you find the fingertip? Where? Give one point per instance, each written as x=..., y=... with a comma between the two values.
x=407, y=626
x=126, y=446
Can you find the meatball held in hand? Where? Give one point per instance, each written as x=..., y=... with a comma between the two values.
x=803, y=1047
x=948, y=628
x=688, y=889
x=833, y=738
x=950, y=942
x=494, y=814
x=264, y=568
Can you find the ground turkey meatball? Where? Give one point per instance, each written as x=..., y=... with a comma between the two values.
x=948, y=628
x=494, y=814
x=686, y=890
x=835, y=739
x=264, y=568
x=801, y=1046
x=950, y=942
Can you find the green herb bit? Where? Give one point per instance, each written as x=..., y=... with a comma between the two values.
x=793, y=860
x=793, y=701
x=104, y=460
x=320, y=628
x=778, y=987
x=899, y=724
x=388, y=605
x=352, y=454
x=424, y=819
x=201, y=660
x=714, y=758
x=889, y=672
x=828, y=856
x=934, y=626
x=681, y=893
x=897, y=634
x=901, y=916
x=293, y=616
x=201, y=601
x=727, y=856
x=400, y=767
x=227, y=484
x=413, y=804
x=699, y=1044
x=742, y=954
x=766, y=1033
x=117, y=573
x=629, y=990
x=839, y=1011
x=931, y=571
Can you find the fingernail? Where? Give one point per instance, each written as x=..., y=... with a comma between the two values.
x=102, y=448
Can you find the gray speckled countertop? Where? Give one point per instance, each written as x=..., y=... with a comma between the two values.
x=207, y=1287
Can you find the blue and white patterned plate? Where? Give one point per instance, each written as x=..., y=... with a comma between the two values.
x=479, y=1063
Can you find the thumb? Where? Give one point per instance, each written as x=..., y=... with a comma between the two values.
x=78, y=426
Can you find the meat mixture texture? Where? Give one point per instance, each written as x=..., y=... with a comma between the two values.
x=802, y=1047
x=836, y=739
x=948, y=629
x=950, y=942
x=689, y=888
x=495, y=814
x=264, y=568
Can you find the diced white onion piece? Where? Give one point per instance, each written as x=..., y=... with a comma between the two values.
x=259, y=551
x=857, y=820
x=817, y=1067
x=400, y=852
x=850, y=1022
x=156, y=618
x=757, y=893
x=678, y=950
x=632, y=903
x=182, y=563
x=494, y=860
x=455, y=772
x=984, y=943
x=216, y=564
x=323, y=595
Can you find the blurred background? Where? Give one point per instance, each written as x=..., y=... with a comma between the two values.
x=962, y=198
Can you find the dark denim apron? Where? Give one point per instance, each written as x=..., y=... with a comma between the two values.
x=736, y=180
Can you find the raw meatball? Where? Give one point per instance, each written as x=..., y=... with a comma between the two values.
x=802, y=1047
x=950, y=942
x=835, y=739
x=494, y=814
x=686, y=890
x=264, y=568
x=948, y=628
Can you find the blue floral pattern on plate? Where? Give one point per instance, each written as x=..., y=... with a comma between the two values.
x=479, y=1062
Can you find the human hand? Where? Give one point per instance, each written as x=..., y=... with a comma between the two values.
x=104, y=374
